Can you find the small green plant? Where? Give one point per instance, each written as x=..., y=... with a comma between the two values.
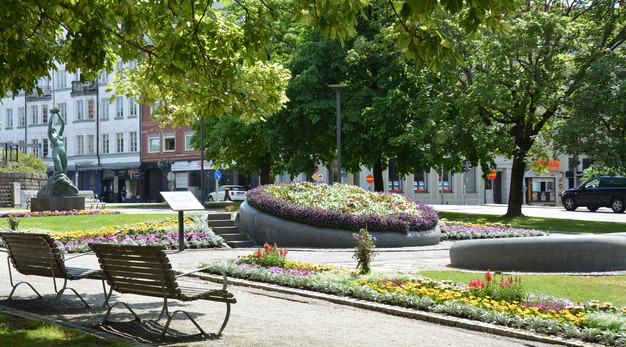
x=507, y=289
x=269, y=256
x=14, y=223
x=364, y=250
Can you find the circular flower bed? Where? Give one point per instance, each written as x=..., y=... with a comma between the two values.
x=309, y=215
x=342, y=206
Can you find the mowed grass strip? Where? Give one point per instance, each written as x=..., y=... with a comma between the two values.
x=575, y=288
x=84, y=222
x=16, y=331
x=546, y=224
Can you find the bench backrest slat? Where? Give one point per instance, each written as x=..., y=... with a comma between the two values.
x=34, y=254
x=143, y=270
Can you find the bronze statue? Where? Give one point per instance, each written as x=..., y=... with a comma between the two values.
x=59, y=155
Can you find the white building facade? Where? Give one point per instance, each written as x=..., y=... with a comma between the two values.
x=101, y=138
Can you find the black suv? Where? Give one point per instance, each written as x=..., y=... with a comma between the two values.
x=605, y=191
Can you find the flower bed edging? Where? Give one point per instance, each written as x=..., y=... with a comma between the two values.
x=263, y=228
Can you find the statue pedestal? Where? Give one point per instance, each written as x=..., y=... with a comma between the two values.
x=57, y=204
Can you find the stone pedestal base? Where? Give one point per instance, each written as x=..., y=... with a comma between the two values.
x=57, y=204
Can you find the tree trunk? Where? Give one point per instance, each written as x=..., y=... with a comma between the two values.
x=266, y=173
x=516, y=194
x=379, y=183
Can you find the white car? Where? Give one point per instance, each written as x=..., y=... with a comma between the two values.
x=228, y=192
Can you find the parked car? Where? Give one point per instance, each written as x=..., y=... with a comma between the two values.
x=604, y=191
x=228, y=192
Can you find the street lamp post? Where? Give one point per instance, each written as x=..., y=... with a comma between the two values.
x=338, y=88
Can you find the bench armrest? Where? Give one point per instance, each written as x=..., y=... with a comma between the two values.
x=76, y=256
x=224, y=281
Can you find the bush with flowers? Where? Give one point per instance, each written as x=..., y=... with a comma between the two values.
x=342, y=206
x=269, y=256
x=508, y=289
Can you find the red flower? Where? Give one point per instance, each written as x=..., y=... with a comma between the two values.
x=477, y=283
x=488, y=276
x=259, y=254
x=266, y=246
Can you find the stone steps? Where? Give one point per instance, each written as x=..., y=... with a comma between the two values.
x=223, y=225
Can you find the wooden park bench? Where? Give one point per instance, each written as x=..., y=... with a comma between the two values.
x=146, y=270
x=38, y=255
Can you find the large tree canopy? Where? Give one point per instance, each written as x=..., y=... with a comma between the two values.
x=596, y=122
x=516, y=84
x=202, y=57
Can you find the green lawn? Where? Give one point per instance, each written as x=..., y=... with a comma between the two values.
x=575, y=288
x=546, y=224
x=16, y=331
x=84, y=222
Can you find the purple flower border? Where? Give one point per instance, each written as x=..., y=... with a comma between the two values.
x=261, y=200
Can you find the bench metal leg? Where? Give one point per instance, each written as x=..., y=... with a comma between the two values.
x=60, y=292
x=171, y=316
x=17, y=284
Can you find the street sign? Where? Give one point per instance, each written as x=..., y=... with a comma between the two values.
x=369, y=179
x=217, y=175
x=317, y=168
x=343, y=174
x=320, y=178
x=315, y=176
x=492, y=175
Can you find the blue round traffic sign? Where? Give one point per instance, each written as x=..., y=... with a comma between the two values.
x=217, y=175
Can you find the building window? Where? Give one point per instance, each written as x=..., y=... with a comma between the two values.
x=188, y=136
x=105, y=108
x=62, y=112
x=119, y=142
x=34, y=111
x=9, y=118
x=470, y=180
x=21, y=117
x=103, y=77
x=133, y=141
x=120, y=67
x=169, y=142
x=44, y=114
x=91, y=109
x=35, y=147
x=445, y=182
x=45, y=148
x=420, y=182
x=61, y=79
x=105, y=143
x=80, y=115
x=119, y=106
x=80, y=145
x=91, y=144
x=133, y=107
x=154, y=143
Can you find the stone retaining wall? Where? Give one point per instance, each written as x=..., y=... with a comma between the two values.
x=9, y=182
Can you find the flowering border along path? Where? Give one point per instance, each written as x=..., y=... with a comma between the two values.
x=592, y=321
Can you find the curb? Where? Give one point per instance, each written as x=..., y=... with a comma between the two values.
x=405, y=312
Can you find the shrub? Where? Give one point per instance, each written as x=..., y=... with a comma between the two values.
x=364, y=250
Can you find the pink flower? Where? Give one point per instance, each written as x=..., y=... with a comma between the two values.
x=488, y=276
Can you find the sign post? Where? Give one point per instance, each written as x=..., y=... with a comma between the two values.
x=181, y=202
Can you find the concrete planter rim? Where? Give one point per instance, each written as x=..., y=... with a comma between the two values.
x=262, y=227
